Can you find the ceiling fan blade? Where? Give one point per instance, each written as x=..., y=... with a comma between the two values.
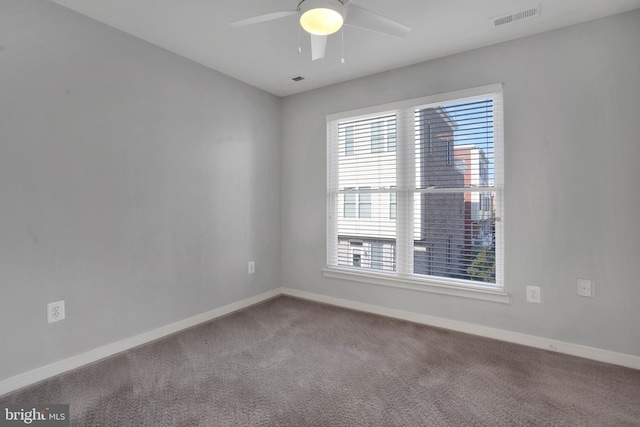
x=359, y=17
x=318, y=46
x=263, y=18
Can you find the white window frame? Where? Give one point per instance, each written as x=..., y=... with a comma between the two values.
x=405, y=188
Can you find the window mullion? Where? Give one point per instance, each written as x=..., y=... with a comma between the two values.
x=405, y=176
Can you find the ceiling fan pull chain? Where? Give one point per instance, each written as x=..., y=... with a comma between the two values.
x=342, y=33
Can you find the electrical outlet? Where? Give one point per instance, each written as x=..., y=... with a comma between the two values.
x=585, y=288
x=252, y=267
x=534, y=294
x=55, y=311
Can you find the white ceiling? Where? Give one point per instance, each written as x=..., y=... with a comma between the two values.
x=266, y=55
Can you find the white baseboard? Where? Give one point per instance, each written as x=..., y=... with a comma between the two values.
x=578, y=350
x=48, y=371
x=74, y=362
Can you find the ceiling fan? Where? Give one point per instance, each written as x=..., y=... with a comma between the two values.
x=320, y=18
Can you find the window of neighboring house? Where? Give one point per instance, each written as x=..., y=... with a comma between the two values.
x=365, y=204
x=349, y=141
x=356, y=204
x=377, y=136
x=350, y=207
x=383, y=135
x=428, y=234
x=391, y=135
x=356, y=251
x=393, y=205
x=377, y=255
x=357, y=259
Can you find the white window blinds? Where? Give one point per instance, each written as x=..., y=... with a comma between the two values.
x=415, y=189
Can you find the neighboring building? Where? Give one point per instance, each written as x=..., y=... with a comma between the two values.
x=478, y=207
x=367, y=220
x=437, y=253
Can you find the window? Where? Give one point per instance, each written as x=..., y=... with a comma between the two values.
x=356, y=251
x=421, y=186
x=356, y=204
x=377, y=255
x=383, y=135
x=349, y=141
x=365, y=204
x=350, y=207
x=393, y=205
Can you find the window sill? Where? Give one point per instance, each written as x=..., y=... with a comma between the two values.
x=443, y=288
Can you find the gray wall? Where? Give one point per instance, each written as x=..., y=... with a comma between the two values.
x=134, y=184
x=572, y=142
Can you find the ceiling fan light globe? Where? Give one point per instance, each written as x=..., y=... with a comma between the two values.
x=321, y=21
x=321, y=17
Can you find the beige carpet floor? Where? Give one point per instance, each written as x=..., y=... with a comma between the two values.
x=290, y=362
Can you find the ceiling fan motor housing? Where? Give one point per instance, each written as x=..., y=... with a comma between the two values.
x=321, y=17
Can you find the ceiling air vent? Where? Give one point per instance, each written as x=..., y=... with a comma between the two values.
x=521, y=15
x=289, y=80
